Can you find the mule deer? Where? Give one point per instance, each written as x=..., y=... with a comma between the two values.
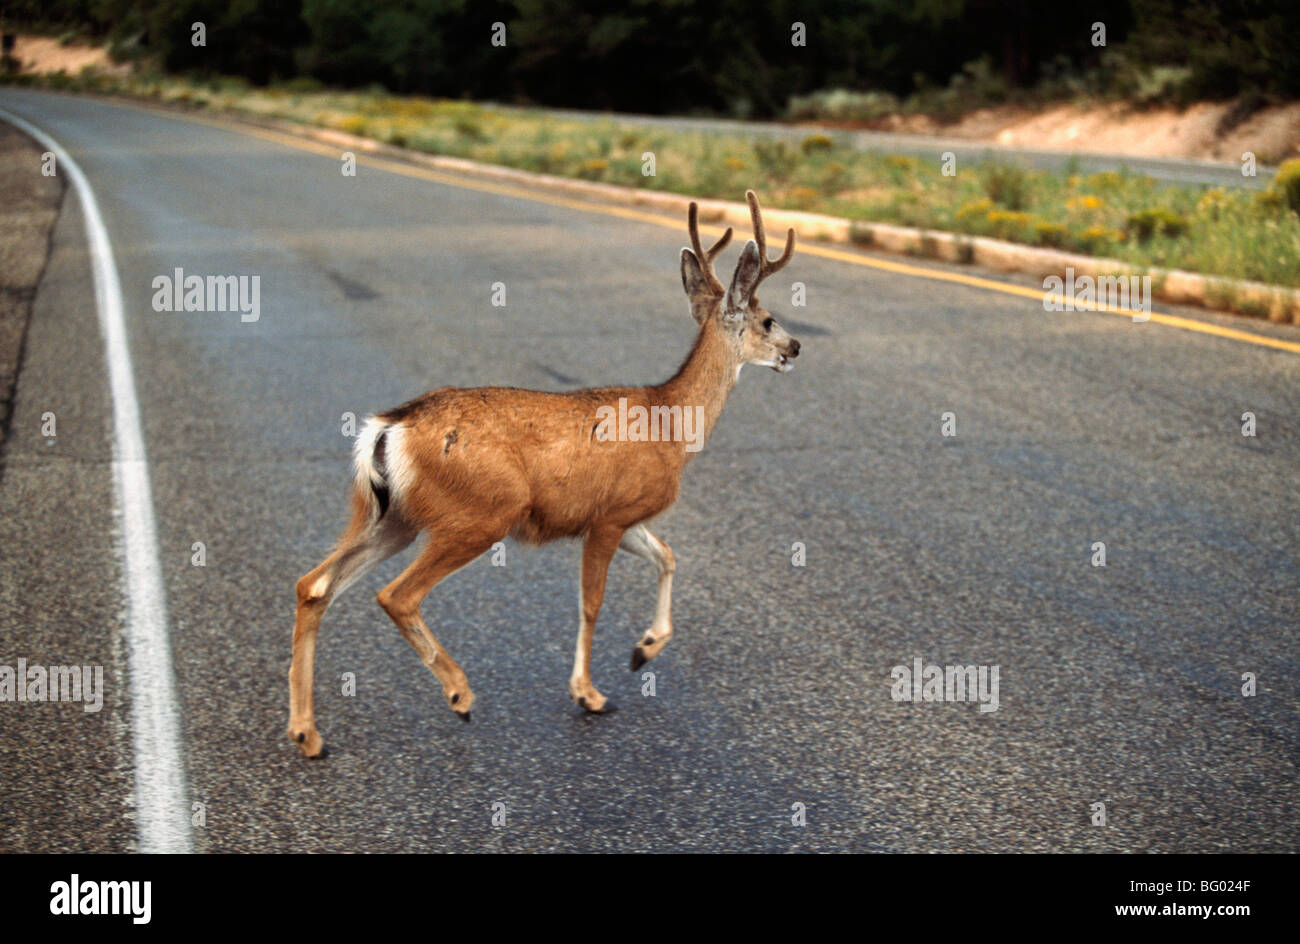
x=473, y=466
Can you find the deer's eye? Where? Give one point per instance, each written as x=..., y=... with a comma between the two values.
x=767, y=324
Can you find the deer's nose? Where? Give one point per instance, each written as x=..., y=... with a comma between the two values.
x=794, y=349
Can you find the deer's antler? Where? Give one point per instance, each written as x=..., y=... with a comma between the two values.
x=760, y=236
x=706, y=259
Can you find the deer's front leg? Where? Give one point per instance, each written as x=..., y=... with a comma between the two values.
x=597, y=551
x=642, y=543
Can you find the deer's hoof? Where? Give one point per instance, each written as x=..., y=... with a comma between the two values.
x=646, y=650
x=607, y=708
x=308, y=740
x=460, y=700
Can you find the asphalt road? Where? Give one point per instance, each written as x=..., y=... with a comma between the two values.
x=930, y=147
x=1118, y=684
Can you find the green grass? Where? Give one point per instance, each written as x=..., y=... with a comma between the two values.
x=1230, y=233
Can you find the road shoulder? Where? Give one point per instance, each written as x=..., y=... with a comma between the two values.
x=30, y=202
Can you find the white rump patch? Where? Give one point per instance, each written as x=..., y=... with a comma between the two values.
x=397, y=459
x=398, y=472
x=363, y=454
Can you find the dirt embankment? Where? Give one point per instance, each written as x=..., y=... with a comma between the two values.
x=45, y=55
x=1203, y=131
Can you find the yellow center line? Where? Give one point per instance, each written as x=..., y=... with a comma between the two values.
x=585, y=206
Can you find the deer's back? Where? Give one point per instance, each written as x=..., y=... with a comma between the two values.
x=528, y=458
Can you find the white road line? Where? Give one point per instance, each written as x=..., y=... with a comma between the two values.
x=162, y=812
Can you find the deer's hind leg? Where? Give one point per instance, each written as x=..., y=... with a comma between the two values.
x=366, y=543
x=449, y=549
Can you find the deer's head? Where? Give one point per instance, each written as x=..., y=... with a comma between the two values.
x=752, y=333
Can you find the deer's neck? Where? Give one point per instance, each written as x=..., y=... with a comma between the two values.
x=705, y=379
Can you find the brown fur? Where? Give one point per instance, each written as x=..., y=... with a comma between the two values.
x=492, y=462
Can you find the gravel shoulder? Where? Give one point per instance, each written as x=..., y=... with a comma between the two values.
x=29, y=207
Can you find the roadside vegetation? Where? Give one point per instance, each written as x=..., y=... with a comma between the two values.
x=1130, y=217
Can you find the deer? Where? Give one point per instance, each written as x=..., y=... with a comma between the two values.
x=469, y=467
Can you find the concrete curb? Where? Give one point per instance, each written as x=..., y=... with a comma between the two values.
x=1253, y=299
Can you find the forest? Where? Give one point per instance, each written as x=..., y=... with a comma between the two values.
x=711, y=57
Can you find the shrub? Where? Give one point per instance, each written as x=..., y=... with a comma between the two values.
x=775, y=159
x=127, y=48
x=1146, y=223
x=1006, y=184
x=974, y=210
x=900, y=168
x=303, y=85
x=1098, y=238
x=1285, y=186
x=1162, y=85
x=1010, y=224
x=1051, y=234
x=469, y=127
x=803, y=197
x=837, y=177
x=816, y=144
x=841, y=105
x=1105, y=180
x=1213, y=203
x=1270, y=201
x=979, y=81
x=352, y=124
x=556, y=158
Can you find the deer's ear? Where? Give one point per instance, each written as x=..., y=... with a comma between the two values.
x=693, y=278
x=743, y=282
